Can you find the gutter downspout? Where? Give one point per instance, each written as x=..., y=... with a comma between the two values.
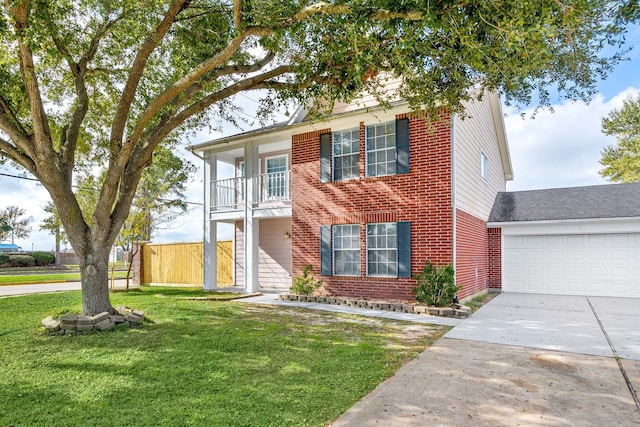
x=453, y=192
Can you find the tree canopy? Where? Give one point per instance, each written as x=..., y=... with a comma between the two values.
x=621, y=162
x=92, y=87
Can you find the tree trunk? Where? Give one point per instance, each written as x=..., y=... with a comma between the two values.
x=94, y=272
x=58, y=262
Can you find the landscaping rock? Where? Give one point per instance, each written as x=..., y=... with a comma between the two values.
x=104, y=325
x=100, y=317
x=117, y=318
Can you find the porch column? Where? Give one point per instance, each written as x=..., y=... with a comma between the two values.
x=210, y=238
x=251, y=224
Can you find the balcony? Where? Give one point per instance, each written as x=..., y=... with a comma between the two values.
x=268, y=189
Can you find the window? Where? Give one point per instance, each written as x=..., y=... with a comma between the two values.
x=387, y=151
x=346, y=250
x=381, y=149
x=388, y=249
x=346, y=154
x=276, y=177
x=382, y=249
x=484, y=166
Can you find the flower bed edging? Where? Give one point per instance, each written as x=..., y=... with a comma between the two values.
x=458, y=311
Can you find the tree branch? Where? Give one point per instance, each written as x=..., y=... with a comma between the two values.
x=343, y=9
x=14, y=154
x=137, y=70
x=237, y=14
x=178, y=87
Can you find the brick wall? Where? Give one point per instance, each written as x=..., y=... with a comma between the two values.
x=495, y=258
x=422, y=197
x=471, y=254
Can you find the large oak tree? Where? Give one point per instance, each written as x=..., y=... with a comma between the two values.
x=90, y=84
x=621, y=162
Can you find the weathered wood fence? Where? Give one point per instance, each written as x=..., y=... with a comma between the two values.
x=181, y=263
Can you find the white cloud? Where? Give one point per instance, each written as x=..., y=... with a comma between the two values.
x=560, y=148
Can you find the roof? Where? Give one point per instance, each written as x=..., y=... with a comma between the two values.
x=556, y=204
x=8, y=246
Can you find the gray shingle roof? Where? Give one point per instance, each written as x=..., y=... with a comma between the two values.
x=600, y=201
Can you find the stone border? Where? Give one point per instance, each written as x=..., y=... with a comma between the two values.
x=457, y=311
x=76, y=324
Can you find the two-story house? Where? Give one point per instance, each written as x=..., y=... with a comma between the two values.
x=365, y=197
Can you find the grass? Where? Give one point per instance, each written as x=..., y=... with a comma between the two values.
x=195, y=363
x=16, y=279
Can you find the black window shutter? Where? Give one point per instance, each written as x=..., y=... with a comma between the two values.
x=402, y=145
x=404, y=249
x=325, y=250
x=325, y=157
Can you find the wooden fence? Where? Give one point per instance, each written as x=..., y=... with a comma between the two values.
x=181, y=263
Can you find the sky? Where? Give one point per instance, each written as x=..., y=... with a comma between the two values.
x=559, y=148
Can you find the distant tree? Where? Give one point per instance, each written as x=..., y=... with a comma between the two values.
x=18, y=227
x=53, y=225
x=4, y=229
x=621, y=162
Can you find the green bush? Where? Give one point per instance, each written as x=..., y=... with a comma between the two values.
x=307, y=283
x=4, y=258
x=22, y=260
x=436, y=285
x=43, y=258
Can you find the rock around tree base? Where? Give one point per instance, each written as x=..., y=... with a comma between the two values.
x=75, y=324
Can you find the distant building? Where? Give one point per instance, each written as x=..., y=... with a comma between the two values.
x=6, y=248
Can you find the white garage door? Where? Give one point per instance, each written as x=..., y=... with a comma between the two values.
x=587, y=264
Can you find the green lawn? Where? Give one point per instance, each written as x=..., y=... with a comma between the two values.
x=195, y=363
x=48, y=277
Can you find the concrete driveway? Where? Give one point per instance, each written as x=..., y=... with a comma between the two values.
x=520, y=360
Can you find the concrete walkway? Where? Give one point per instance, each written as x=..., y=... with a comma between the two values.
x=46, y=288
x=520, y=360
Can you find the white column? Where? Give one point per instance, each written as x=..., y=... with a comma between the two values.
x=210, y=255
x=251, y=224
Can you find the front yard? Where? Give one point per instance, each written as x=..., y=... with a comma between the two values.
x=195, y=363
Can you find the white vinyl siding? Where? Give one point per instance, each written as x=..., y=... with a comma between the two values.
x=473, y=135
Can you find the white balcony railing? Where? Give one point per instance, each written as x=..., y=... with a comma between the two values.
x=229, y=194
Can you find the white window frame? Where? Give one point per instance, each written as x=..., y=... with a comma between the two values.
x=267, y=183
x=355, y=153
x=334, y=250
x=484, y=166
x=377, y=150
x=386, y=248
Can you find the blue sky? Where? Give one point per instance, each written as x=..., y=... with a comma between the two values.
x=554, y=149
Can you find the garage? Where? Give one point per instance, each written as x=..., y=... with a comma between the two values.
x=571, y=241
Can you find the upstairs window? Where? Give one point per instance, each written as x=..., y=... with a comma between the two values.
x=387, y=151
x=346, y=154
x=484, y=166
x=381, y=149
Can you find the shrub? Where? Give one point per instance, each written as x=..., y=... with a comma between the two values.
x=22, y=260
x=307, y=283
x=43, y=258
x=4, y=258
x=436, y=285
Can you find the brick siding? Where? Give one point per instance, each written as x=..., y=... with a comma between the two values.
x=495, y=258
x=471, y=254
x=422, y=197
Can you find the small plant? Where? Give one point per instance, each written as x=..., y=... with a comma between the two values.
x=4, y=258
x=436, y=285
x=307, y=283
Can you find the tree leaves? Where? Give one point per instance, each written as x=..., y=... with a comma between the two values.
x=621, y=163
